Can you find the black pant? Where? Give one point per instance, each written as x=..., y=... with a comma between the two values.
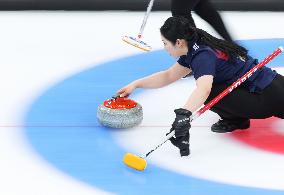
x=204, y=9
x=241, y=104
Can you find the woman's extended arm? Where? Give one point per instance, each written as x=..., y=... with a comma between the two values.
x=156, y=80
x=200, y=94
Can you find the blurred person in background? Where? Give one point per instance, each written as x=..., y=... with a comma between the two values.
x=205, y=10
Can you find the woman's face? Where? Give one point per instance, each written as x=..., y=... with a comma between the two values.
x=175, y=50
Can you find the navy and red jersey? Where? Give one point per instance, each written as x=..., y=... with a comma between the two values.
x=203, y=60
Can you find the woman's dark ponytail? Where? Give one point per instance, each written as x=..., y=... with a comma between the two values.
x=231, y=49
x=179, y=28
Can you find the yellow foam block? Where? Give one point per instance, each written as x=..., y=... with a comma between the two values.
x=134, y=161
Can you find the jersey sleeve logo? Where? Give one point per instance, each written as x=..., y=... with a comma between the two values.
x=195, y=47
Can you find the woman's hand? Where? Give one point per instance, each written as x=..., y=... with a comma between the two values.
x=181, y=126
x=127, y=90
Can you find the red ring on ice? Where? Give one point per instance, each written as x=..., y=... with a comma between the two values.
x=262, y=134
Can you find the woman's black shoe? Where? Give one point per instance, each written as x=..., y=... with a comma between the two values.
x=224, y=126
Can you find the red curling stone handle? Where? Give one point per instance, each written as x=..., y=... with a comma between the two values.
x=120, y=103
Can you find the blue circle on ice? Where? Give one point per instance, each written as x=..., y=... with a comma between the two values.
x=61, y=125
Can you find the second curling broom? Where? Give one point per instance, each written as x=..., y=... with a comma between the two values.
x=137, y=42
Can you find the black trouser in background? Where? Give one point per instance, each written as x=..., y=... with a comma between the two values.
x=205, y=10
x=241, y=105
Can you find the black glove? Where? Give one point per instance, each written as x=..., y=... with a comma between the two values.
x=182, y=143
x=181, y=125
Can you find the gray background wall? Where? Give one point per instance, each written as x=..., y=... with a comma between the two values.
x=135, y=5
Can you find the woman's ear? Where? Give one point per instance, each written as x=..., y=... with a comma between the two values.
x=180, y=42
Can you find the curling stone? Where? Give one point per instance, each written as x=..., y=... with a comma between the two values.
x=120, y=112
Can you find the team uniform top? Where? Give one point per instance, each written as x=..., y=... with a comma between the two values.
x=203, y=60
